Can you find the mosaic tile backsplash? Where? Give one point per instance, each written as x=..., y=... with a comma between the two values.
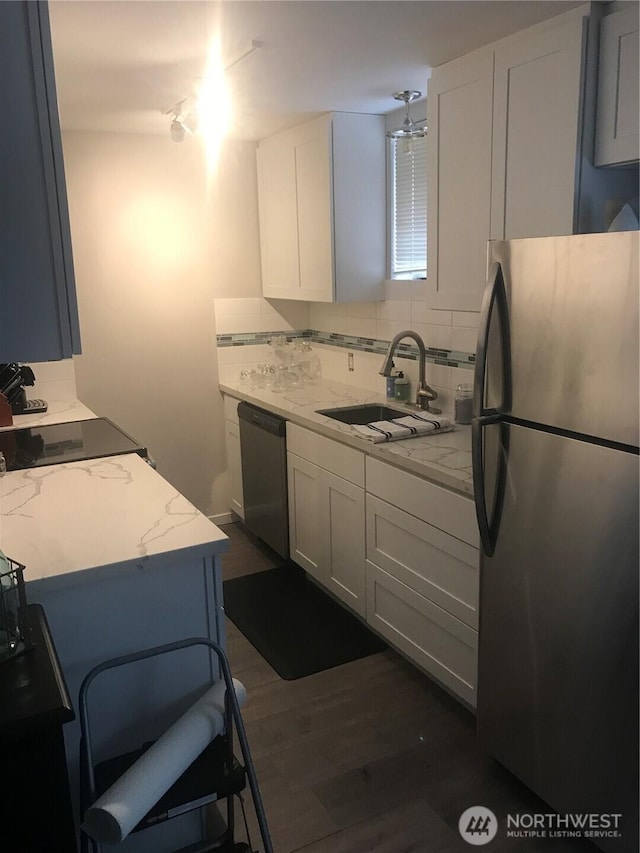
x=443, y=357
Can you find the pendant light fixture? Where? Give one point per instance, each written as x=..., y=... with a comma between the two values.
x=409, y=129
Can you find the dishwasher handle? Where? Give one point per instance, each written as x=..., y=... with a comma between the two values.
x=263, y=420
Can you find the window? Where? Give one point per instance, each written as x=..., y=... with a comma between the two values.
x=408, y=208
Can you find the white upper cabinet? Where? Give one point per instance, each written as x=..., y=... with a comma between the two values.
x=618, y=119
x=278, y=217
x=509, y=133
x=38, y=317
x=459, y=115
x=321, y=192
x=537, y=134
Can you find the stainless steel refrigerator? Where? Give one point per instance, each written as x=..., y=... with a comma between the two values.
x=555, y=455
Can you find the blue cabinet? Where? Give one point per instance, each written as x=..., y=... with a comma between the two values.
x=38, y=308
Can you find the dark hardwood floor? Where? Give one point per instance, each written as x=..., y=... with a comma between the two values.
x=368, y=757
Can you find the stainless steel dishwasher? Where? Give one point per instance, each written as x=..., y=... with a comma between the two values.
x=263, y=446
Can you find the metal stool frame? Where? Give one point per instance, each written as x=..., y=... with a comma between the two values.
x=88, y=793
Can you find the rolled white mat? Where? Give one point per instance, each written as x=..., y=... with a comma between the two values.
x=113, y=815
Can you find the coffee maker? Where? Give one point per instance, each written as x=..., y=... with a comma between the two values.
x=13, y=378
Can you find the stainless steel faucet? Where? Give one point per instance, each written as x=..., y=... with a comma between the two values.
x=424, y=394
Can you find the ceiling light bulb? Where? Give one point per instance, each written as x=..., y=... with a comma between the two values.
x=214, y=105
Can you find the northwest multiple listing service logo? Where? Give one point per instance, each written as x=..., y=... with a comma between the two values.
x=478, y=825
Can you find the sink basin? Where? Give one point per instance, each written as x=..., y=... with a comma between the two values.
x=365, y=414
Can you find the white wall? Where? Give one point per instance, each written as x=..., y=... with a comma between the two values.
x=152, y=242
x=54, y=380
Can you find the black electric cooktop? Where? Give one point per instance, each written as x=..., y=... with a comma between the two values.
x=71, y=442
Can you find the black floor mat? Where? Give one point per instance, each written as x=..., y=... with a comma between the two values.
x=293, y=624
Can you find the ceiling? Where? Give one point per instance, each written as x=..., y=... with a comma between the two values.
x=121, y=63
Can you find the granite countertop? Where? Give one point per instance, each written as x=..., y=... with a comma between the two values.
x=444, y=459
x=61, y=520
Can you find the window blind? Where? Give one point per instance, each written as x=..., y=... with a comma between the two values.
x=409, y=214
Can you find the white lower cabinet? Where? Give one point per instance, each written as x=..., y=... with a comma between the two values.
x=403, y=555
x=305, y=497
x=343, y=506
x=326, y=513
x=427, y=559
x=234, y=456
x=438, y=642
x=422, y=574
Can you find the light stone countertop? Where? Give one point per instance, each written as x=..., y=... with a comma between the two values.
x=444, y=459
x=58, y=412
x=62, y=520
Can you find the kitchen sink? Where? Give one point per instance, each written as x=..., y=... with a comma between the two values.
x=364, y=414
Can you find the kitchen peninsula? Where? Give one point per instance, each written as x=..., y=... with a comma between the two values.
x=120, y=561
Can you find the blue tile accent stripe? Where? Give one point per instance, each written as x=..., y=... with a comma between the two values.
x=447, y=358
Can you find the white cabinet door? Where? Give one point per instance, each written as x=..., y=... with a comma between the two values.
x=344, y=546
x=537, y=132
x=359, y=207
x=459, y=114
x=234, y=466
x=315, y=225
x=278, y=219
x=321, y=194
x=326, y=513
x=617, y=136
x=305, y=515
x=326, y=529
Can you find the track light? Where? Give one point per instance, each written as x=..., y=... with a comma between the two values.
x=177, y=130
x=191, y=111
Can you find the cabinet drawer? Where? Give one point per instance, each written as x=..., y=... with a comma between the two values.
x=455, y=514
x=230, y=409
x=430, y=561
x=438, y=642
x=330, y=455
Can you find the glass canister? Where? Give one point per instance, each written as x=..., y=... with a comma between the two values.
x=308, y=362
x=463, y=404
x=402, y=388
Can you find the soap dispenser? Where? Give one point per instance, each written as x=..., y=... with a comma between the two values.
x=402, y=388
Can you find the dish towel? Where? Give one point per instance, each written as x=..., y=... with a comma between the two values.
x=410, y=426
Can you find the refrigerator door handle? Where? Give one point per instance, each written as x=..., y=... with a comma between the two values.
x=478, y=485
x=494, y=309
x=495, y=296
x=489, y=525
